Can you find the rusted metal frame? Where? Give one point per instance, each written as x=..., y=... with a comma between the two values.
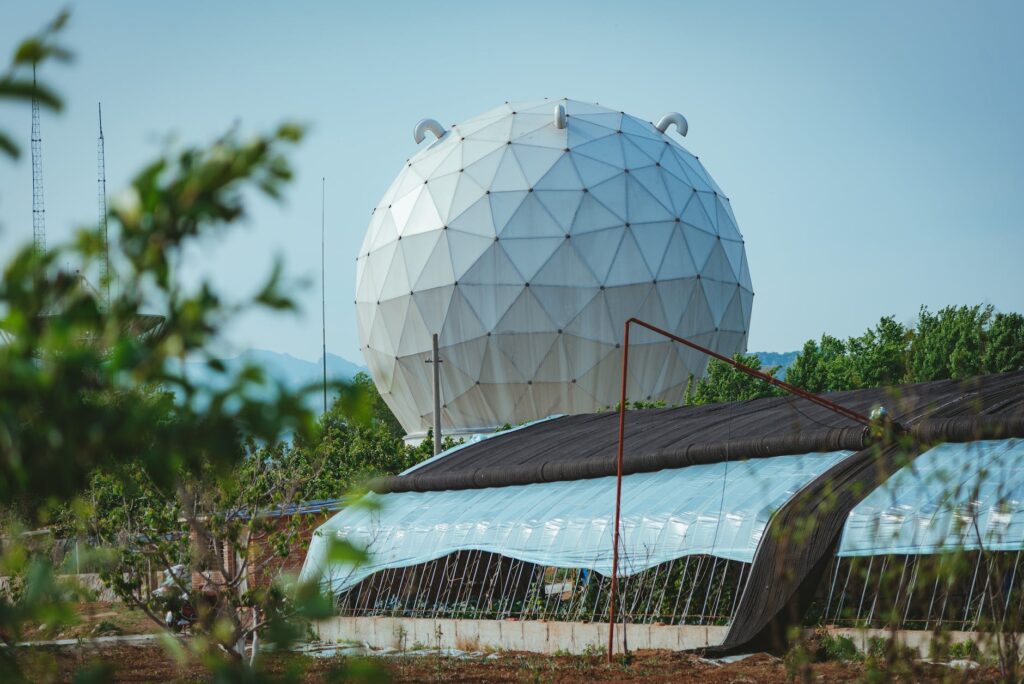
x=792, y=389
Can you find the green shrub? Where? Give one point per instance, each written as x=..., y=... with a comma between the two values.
x=878, y=647
x=837, y=647
x=964, y=650
x=106, y=628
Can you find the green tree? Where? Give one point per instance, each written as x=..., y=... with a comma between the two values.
x=226, y=530
x=822, y=366
x=77, y=376
x=208, y=522
x=360, y=440
x=1004, y=344
x=876, y=358
x=955, y=342
x=352, y=451
x=949, y=343
x=723, y=382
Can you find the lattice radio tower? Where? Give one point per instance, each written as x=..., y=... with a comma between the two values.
x=38, y=209
x=101, y=200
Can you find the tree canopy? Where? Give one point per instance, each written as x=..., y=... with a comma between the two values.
x=953, y=342
x=99, y=424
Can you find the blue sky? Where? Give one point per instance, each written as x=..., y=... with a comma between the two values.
x=873, y=151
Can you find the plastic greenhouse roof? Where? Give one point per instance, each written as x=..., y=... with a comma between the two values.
x=954, y=496
x=666, y=514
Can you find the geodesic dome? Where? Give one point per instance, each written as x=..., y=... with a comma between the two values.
x=524, y=238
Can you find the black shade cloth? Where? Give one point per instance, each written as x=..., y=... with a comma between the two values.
x=585, y=446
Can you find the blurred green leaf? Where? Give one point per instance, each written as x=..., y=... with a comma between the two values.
x=26, y=91
x=343, y=552
x=8, y=146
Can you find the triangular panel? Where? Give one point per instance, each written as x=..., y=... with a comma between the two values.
x=531, y=220
x=535, y=162
x=438, y=272
x=493, y=268
x=652, y=239
x=561, y=175
x=678, y=262
x=529, y=254
x=490, y=302
x=526, y=315
x=562, y=204
x=476, y=219
x=629, y=266
x=465, y=249
x=593, y=216
x=598, y=249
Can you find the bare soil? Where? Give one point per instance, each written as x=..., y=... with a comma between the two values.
x=97, y=618
x=151, y=663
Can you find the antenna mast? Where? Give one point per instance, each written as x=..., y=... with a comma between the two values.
x=38, y=210
x=101, y=199
x=323, y=284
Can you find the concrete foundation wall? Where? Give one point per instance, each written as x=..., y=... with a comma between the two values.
x=537, y=636
x=511, y=635
x=918, y=640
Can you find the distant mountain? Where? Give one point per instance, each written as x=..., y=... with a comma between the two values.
x=782, y=359
x=285, y=369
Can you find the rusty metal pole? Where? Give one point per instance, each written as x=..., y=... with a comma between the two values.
x=781, y=384
x=618, y=493
x=792, y=389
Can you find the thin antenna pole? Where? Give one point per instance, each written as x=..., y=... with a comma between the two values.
x=101, y=199
x=323, y=284
x=38, y=208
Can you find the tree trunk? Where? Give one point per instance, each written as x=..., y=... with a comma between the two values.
x=255, y=649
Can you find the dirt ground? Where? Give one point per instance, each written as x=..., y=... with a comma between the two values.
x=97, y=618
x=151, y=663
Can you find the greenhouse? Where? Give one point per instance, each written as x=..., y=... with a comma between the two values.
x=730, y=516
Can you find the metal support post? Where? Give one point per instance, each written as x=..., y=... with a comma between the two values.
x=436, y=361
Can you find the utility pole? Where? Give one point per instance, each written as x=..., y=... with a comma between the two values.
x=38, y=210
x=436, y=360
x=323, y=283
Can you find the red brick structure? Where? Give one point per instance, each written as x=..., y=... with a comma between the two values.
x=266, y=563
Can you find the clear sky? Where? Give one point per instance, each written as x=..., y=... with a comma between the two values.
x=873, y=151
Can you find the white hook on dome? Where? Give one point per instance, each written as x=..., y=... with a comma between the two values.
x=427, y=125
x=560, y=116
x=673, y=118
